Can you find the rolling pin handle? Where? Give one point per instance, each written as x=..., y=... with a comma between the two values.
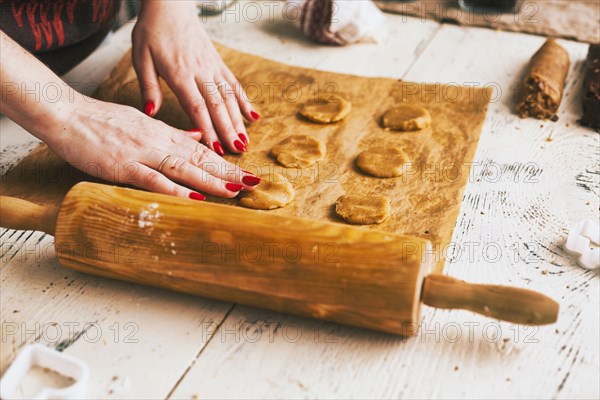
x=24, y=215
x=510, y=304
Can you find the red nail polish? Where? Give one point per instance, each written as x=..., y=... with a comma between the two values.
x=149, y=108
x=248, y=172
x=196, y=130
x=251, y=180
x=255, y=115
x=218, y=148
x=233, y=187
x=197, y=196
x=239, y=145
x=243, y=138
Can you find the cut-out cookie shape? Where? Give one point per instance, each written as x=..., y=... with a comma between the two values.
x=363, y=210
x=37, y=355
x=298, y=151
x=406, y=117
x=326, y=110
x=383, y=161
x=273, y=192
x=583, y=242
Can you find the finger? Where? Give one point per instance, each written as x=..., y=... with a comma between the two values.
x=149, y=83
x=194, y=134
x=233, y=108
x=220, y=116
x=195, y=106
x=152, y=180
x=199, y=155
x=242, y=98
x=179, y=170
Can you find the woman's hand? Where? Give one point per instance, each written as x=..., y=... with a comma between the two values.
x=169, y=41
x=120, y=144
x=110, y=141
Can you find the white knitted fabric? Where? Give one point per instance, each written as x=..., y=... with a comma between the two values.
x=339, y=22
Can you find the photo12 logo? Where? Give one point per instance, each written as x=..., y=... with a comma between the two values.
x=64, y=334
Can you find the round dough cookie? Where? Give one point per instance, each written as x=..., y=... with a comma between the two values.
x=406, y=117
x=298, y=151
x=383, y=161
x=363, y=210
x=273, y=192
x=325, y=111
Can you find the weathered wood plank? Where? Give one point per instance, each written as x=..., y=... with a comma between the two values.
x=137, y=341
x=276, y=38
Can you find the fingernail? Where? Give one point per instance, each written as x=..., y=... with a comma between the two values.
x=251, y=180
x=239, y=145
x=254, y=115
x=149, y=108
x=197, y=130
x=243, y=138
x=218, y=148
x=233, y=187
x=248, y=172
x=197, y=196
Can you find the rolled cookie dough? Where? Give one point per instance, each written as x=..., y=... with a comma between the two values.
x=273, y=192
x=383, y=161
x=406, y=117
x=298, y=151
x=363, y=210
x=325, y=111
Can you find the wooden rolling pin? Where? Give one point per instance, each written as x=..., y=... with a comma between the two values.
x=318, y=269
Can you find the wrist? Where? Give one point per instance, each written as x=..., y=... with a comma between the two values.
x=38, y=111
x=55, y=117
x=162, y=7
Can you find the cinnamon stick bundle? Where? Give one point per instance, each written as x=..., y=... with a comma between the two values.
x=540, y=91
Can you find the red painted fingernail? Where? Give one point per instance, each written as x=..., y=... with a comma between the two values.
x=197, y=196
x=248, y=172
x=218, y=148
x=243, y=138
x=149, y=108
x=239, y=145
x=196, y=130
x=255, y=115
x=251, y=180
x=233, y=187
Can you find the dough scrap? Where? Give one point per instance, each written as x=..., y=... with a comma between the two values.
x=363, y=210
x=298, y=151
x=273, y=192
x=325, y=111
x=406, y=117
x=383, y=161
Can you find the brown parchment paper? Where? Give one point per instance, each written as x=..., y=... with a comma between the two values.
x=568, y=19
x=425, y=201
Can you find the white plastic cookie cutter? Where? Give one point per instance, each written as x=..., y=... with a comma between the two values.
x=37, y=355
x=583, y=242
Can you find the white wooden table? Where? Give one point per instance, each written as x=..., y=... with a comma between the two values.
x=531, y=180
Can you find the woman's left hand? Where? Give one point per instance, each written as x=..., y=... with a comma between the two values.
x=169, y=41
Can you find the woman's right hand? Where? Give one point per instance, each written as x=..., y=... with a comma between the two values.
x=121, y=144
